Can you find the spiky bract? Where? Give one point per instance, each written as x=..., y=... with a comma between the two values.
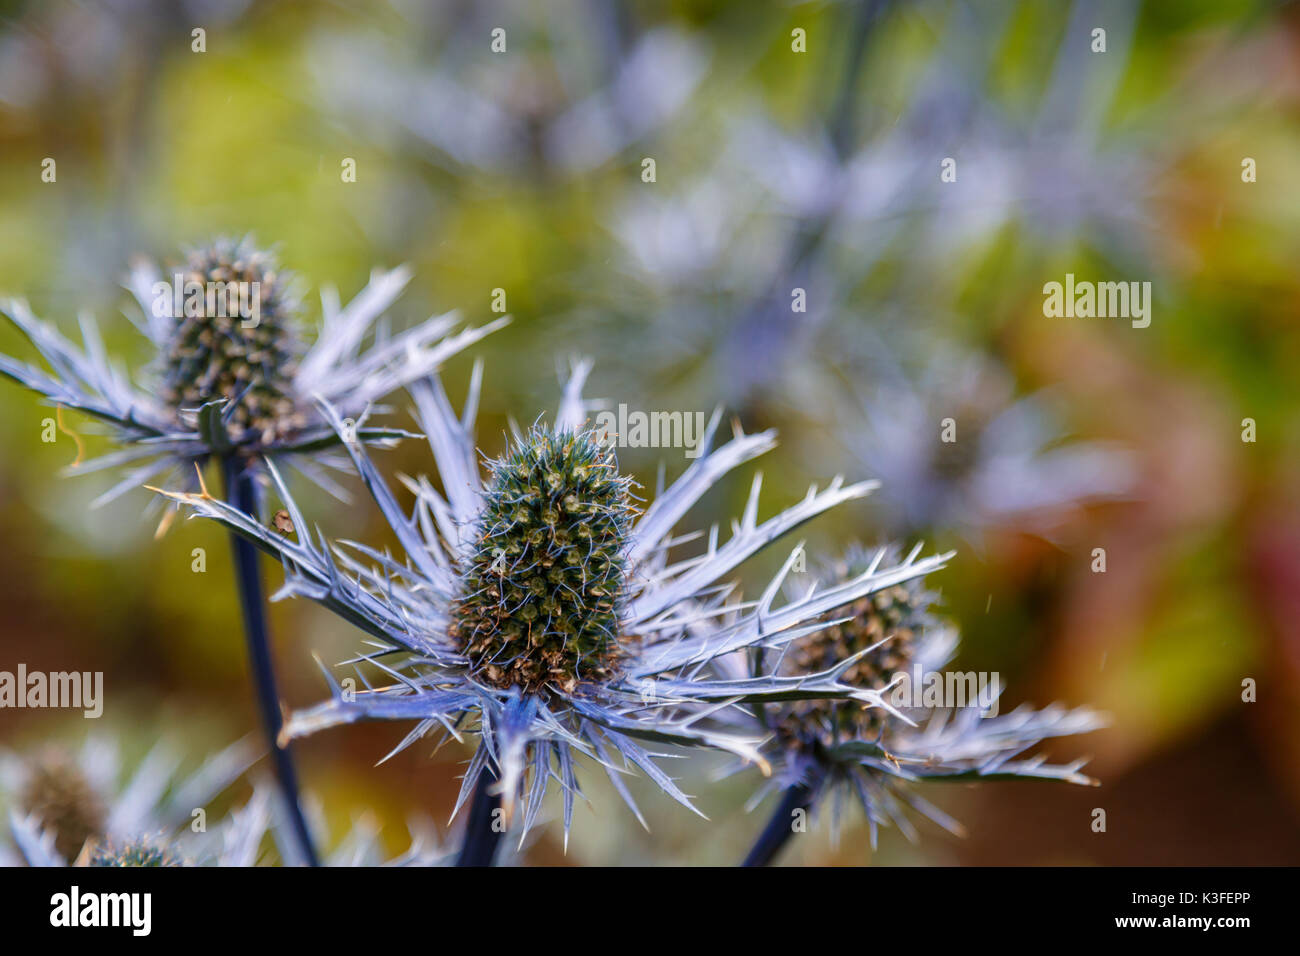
x=544, y=586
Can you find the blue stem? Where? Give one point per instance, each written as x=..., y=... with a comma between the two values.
x=481, y=837
x=780, y=827
x=241, y=493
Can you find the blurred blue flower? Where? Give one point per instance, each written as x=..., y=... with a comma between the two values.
x=955, y=449
x=576, y=89
x=85, y=808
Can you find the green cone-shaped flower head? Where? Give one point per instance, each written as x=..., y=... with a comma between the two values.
x=897, y=615
x=236, y=340
x=545, y=586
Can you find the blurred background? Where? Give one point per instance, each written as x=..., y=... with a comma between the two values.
x=796, y=146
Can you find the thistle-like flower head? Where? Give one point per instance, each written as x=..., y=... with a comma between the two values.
x=216, y=353
x=545, y=580
x=879, y=631
x=231, y=374
x=537, y=609
x=834, y=748
x=58, y=793
x=136, y=853
x=81, y=807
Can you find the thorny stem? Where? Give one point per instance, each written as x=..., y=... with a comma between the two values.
x=780, y=827
x=240, y=493
x=481, y=836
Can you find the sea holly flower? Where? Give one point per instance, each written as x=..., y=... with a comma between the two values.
x=955, y=448
x=833, y=750
x=562, y=105
x=538, y=610
x=232, y=380
x=81, y=808
x=227, y=383
x=140, y=853
x=84, y=807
